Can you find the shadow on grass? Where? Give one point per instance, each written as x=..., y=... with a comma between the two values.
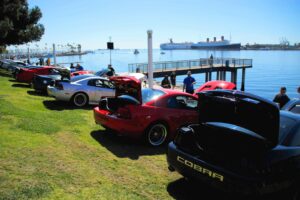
x=189, y=189
x=20, y=85
x=124, y=147
x=62, y=105
x=37, y=93
x=14, y=81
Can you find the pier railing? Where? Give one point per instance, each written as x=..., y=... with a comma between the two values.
x=190, y=64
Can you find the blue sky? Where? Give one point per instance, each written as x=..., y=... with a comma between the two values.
x=91, y=22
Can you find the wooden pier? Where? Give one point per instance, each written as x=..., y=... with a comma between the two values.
x=218, y=65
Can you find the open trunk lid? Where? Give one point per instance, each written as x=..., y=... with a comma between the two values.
x=127, y=92
x=127, y=85
x=259, y=116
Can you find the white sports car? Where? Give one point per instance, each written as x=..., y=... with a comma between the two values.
x=82, y=91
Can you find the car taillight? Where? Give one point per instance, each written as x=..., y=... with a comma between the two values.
x=124, y=112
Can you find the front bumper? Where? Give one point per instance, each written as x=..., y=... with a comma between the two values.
x=223, y=179
x=127, y=127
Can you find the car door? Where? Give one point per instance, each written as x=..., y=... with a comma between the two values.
x=180, y=110
x=99, y=88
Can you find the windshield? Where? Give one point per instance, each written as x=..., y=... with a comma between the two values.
x=150, y=94
x=102, y=72
x=286, y=125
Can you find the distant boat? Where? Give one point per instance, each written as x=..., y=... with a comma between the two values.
x=221, y=44
x=162, y=52
x=172, y=46
x=136, y=51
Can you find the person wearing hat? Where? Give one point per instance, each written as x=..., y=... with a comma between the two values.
x=188, y=83
x=281, y=98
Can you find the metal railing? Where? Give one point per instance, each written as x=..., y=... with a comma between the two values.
x=190, y=64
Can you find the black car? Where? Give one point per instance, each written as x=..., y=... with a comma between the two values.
x=243, y=144
x=41, y=82
x=293, y=106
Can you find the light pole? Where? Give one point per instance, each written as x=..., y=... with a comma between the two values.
x=110, y=51
x=150, y=58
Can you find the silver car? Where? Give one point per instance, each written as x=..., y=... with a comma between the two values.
x=88, y=90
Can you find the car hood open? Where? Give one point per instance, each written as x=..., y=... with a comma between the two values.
x=242, y=109
x=127, y=85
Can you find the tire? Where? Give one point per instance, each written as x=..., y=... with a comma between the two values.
x=156, y=134
x=80, y=99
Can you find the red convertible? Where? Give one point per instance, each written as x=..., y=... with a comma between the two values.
x=214, y=85
x=26, y=74
x=154, y=114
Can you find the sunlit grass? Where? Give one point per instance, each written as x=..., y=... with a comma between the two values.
x=50, y=150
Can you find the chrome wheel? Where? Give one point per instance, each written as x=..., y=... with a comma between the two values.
x=157, y=134
x=80, y=99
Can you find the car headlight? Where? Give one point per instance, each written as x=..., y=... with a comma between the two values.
x=45, y=82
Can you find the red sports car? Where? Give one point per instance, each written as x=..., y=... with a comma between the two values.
x=26, y=74
x=213, y=85
x=76, y=73
x=154, y=114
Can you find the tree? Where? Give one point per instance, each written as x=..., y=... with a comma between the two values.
x=18, y=23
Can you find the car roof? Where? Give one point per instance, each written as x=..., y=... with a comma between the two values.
x=173, y=92
x=92, y=77
x=290, y=115
x=290, y=104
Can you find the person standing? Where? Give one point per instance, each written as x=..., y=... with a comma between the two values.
x=188, y=83
x=48, y=62
x=281, y=98
x=173, y=79
x=79, y=67
x=41, y=61
x=165, y=83
x=211, y=60
x=111, y=71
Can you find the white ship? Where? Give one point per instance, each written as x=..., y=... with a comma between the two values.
x=172, y=46
x=220, y=44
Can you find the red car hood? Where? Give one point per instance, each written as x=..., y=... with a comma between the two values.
x=128, y=85
x=212, y=85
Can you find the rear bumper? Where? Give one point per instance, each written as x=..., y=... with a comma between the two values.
x=60, y=95
x=127, y=127
x=228, y=181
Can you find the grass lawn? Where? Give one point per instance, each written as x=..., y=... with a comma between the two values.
x=51, y=150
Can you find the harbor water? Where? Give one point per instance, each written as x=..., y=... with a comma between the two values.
x=271, y=69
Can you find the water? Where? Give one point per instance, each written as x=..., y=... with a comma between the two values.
x=271, y=69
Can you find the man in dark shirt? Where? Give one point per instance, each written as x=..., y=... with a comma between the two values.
x=281, y=98
x=111, y=71
x=188, y=83
x=79, y=67
x=165, y=83
x=173, y=79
